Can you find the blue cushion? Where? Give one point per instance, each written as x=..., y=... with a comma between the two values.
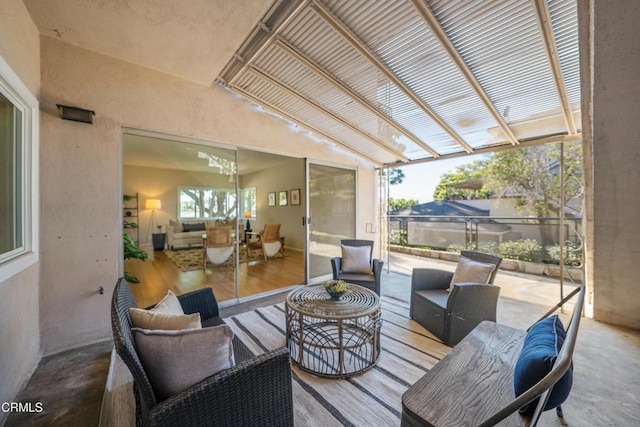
x=539, y=352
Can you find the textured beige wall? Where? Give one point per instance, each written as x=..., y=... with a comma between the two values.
x=81, y=171
x=616, y=160
x=19, y=310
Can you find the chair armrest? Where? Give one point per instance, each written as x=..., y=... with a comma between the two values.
x=201, y=301
x=377, y=267
x=477, y=296
x=254, y=392
x=336, y=265
x=423, y=279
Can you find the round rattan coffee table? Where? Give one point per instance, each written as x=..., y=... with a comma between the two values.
x=333, y=338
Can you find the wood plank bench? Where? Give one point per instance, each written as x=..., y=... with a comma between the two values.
x=473, y=384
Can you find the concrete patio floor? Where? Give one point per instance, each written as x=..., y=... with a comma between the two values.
x=606, y=359
x=606, y=376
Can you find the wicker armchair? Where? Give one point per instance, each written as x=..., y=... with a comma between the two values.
x=450, y=316
x=257, y=391
x=369, y=281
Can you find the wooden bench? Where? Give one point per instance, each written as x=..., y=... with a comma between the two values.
x=473, y=384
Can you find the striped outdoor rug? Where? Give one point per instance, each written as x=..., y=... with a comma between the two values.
x=371, y=399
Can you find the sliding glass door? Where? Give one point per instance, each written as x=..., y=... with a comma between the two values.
x=331, y=215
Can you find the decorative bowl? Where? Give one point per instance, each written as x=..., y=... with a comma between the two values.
x=335, y=288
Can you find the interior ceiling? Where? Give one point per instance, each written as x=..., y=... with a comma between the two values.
x=152, y=152
x=393, y=81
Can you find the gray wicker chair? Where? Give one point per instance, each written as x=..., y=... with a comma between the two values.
x=369, y=281
x=450, y=316
x=257, y=391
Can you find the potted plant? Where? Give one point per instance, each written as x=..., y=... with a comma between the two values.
x=336, y=288
x=131, y=250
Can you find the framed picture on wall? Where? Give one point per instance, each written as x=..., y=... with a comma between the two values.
x=295, y=197
x=272, y=199
x=282, y=198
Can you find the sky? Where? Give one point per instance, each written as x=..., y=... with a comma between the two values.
x=421, y=179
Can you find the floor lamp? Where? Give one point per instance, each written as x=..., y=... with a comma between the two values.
x=153, y=204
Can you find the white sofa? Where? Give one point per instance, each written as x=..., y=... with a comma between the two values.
x=176, y=236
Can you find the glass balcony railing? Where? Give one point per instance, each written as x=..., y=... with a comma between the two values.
x=521, y=238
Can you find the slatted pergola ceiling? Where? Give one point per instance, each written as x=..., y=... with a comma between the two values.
x=407, y=81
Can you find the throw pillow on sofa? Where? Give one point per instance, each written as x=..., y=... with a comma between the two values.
x=169, y=305
x=186, y=227
x=177, y=360
x=150, y=319
x=166, y=314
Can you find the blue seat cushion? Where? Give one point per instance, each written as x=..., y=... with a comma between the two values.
x=539, y=352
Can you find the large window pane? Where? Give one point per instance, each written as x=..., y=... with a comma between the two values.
x=11, y=236
x=206, y=203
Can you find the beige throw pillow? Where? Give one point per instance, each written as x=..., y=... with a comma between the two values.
x=169, y=304
x=355, y=259
x=469, y=270
x=177, y=360
x=150, y=319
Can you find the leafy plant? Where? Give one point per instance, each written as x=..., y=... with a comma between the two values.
x=132, y=251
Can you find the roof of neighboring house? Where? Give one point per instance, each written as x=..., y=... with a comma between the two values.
x=443, y=208
x=452, y=209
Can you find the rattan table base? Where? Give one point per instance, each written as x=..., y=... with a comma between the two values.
x=333, y=338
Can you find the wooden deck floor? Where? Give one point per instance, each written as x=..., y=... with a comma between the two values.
x=160, y=274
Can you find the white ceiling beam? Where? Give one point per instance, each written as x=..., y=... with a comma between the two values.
x=544, y=22
x=272, y=33
x=319, y=71
x=348, y=35
x=292, y=92
x=321, y=134
x=437, y=30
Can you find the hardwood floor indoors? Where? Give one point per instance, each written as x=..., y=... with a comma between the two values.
x=159, y=274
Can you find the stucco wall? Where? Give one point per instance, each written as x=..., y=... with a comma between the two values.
x=81, y=171
x=19, y=310
x=616, y=160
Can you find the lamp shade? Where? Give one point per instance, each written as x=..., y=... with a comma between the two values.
x=247, y=214
x=153, y=204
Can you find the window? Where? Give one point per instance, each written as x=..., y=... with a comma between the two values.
x=206, y=203
x=249, y=202
x=18, y=174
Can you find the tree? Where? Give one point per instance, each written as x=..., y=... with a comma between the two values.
x=470, y=173
x=395, y=204
x=396, y=175
x=533, y=175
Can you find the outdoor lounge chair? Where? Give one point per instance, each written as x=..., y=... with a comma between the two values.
x=256, y=391
x=370, y=279
x=451, y=315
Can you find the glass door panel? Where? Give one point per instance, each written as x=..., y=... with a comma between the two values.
x=331, y=215
x=187, y=199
